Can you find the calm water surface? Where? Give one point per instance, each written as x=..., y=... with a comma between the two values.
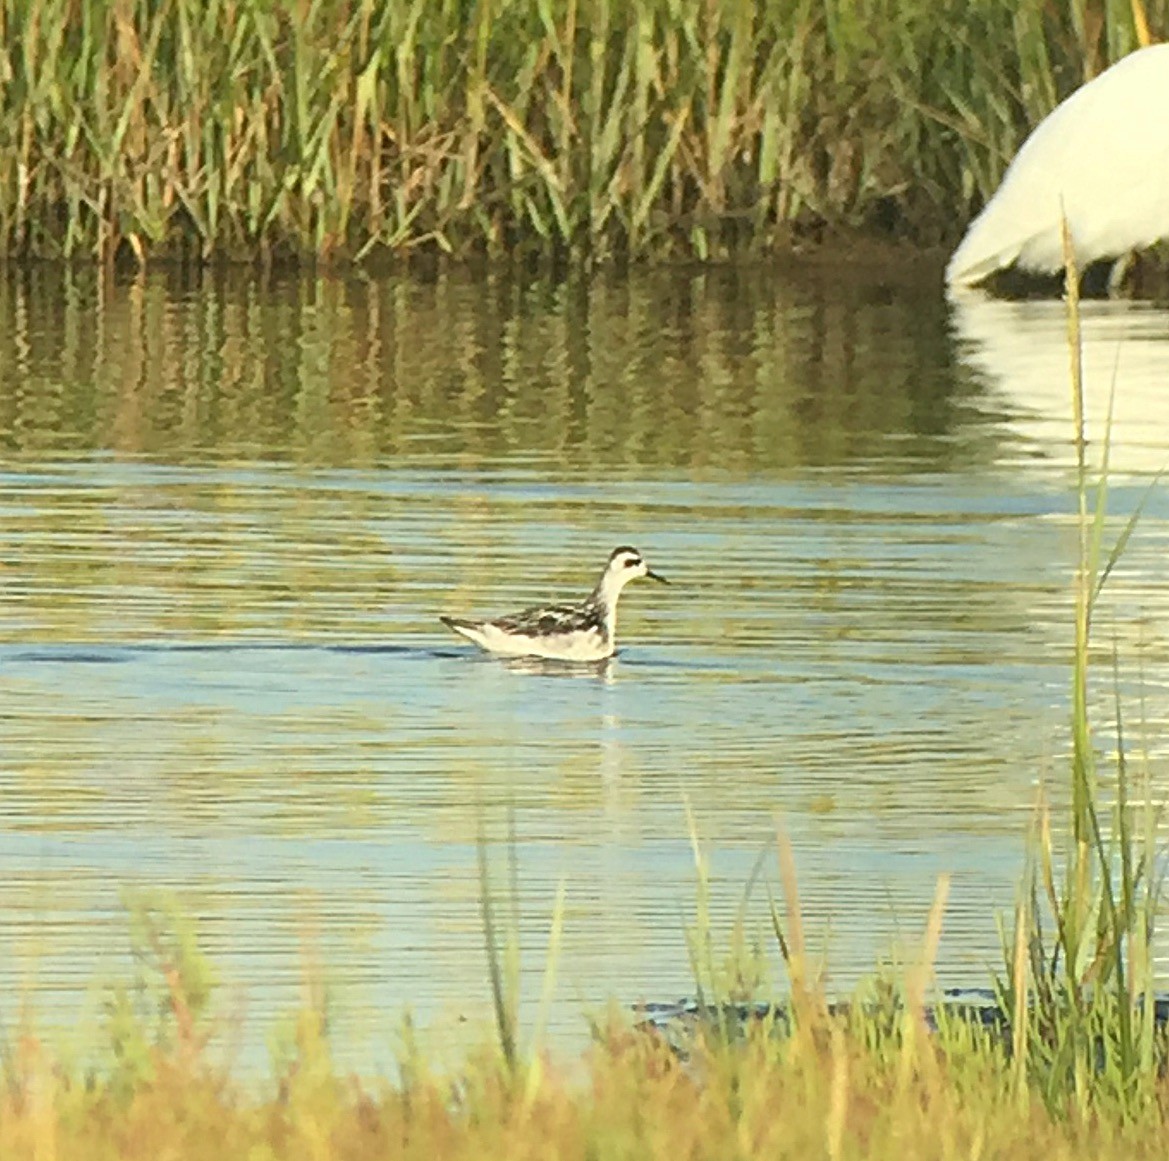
x=230, y=511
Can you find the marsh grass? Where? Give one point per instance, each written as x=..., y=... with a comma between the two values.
x=501, y=934
x=565, y=128
x=1078, y=982
x=866, y=1083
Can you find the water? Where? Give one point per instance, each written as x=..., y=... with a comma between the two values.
x=231, y=509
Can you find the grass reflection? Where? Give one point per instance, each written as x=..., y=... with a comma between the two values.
x=734, y=371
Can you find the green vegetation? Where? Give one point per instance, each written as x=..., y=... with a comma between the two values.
x=581, y=129
x=1082, y=999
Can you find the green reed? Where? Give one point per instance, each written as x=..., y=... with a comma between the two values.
x=582, y=128
x=1079, y=981
x=500, y=912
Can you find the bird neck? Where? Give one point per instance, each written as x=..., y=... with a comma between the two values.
x=604, y=598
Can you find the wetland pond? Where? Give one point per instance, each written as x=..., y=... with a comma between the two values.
x=231, y=510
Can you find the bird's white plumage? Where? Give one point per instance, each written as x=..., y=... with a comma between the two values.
x=574, y=645
x=1101, y=158
x=586, y=631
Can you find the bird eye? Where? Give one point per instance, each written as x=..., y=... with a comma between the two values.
x=632, y=561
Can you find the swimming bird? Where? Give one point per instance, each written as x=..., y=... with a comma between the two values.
x=582, y=632
x=1101, y=158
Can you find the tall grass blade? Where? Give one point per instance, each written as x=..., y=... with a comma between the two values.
x=505, y=1017
x=547, y=994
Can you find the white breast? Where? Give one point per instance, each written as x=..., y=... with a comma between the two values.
x=579, y=645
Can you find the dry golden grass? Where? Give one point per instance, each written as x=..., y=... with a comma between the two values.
x=827, y=1091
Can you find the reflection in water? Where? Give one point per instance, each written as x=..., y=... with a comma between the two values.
x=714, y=372
x=231, y=511
x=546, y=667
x=1021, y=350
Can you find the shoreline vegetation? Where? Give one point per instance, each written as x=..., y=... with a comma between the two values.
x=572, y=131
x=1079, y=1067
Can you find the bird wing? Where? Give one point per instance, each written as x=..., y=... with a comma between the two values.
x=543, y=620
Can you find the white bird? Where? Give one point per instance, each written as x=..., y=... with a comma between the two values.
x=586, y=631
x=1101, y=158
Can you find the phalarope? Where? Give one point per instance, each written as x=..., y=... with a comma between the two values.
x=582, y=632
